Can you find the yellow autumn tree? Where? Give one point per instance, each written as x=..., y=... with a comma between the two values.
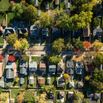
x=17, y=45
x=97, y=45
x=21, y=44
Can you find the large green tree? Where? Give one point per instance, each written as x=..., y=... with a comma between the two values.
x=30, y=14
x=58, y=45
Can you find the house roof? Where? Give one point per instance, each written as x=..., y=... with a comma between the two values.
x=33, y=65
x=42, y=65
x=52, y=66
x=9, y=66
x=9, y=74
x=23, y=71
x=1, y=58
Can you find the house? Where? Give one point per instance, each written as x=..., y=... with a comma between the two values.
x=36, y=3
x=11, y=58
x=22, y=80
x=60, y=81
x=23, y=68
x=41, y=81
x=42, y=68
x=45, y=33
x=31, y=80
x=23, y=71
x=9, y=71
x=34, y=31
x=61, y=96
x=9, y=30
x=22, y=32
x=79, y=68
x=97, y=32
x=70, y=64
x=52, y=69
x=32, y=67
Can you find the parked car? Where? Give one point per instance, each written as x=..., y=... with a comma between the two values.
x=32, y=67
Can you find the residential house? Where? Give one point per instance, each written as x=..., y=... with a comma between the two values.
x=70, y=68
x=9, y=71
x=79, y=68
x=52, y=69
x=23, y=68
x=97, y=32
x=32, y=67
x=22, y=32
x=60, y=81
x=45, y=33
x=34, y=31
x=42, y=68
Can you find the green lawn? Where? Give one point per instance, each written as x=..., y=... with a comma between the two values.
x=1, y=41
x=37, y=59
x=14, y=92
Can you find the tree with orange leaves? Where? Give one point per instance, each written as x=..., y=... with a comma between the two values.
x=86, y=44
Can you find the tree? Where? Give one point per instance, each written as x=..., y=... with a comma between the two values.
x=54, y=59
x=29, y=97
x=58, y=45
x=97, y=80
x=87, y=44
x=11, y=39
x=41, y=98
x=46, y=20
x=30, y=14
x=97, y=45
x=21, y=44
x=20, y=97
x=98, y=59
x=66, y=76
x=77, y=43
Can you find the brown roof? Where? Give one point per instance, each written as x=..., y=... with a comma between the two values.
x=42, y=65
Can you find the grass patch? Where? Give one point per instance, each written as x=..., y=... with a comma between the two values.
x=1, y=41
x=14, y=93
x=37, y=59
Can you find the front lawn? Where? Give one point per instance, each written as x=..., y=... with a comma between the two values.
x=1, y=41
x=37, y=59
